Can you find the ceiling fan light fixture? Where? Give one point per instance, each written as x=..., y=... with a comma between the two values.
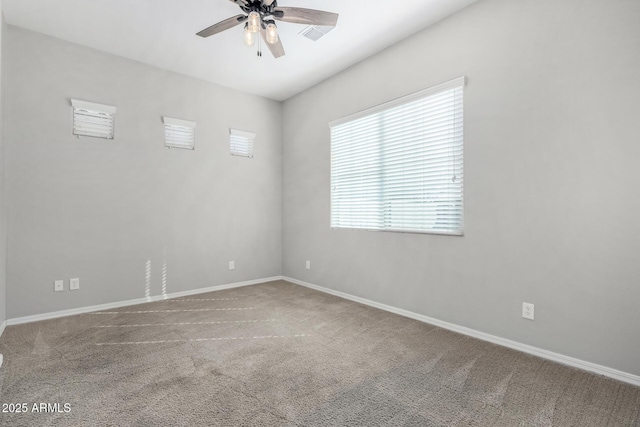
x=272, y=33
x=259, y=15
x=254, y=22
x=249, y=38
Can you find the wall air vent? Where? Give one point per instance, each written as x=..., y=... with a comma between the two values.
x=315, y=32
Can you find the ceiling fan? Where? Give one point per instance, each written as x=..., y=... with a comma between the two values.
x=260, y=16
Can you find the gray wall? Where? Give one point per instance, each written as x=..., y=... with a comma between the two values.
x=551, y=178
x=3, y=228
x=103, y=210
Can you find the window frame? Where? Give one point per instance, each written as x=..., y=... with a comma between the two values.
x=379, y=215
x=98, y=111
x=179, y=123
x=250, y=141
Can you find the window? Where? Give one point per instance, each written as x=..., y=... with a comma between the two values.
x=241, y=143
x=179, y=133
x=91, y=119
x=398, y=166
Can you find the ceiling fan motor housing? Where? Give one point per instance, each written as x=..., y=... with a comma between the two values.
x=258, y=6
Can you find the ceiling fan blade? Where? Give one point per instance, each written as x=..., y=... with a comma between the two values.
x=277, y=50
x=298, y=15
x=266, y=2
x=222, y=25
x=243, y=2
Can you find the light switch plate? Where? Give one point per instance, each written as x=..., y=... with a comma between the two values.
x=74, y=284
x=58, y=286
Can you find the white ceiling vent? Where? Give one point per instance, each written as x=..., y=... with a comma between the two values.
x=315, y=32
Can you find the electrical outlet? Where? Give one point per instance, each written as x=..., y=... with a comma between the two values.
x=527, y=311
x=74, y=284
x=232, y=265
x=308, y=265
x=58, y=286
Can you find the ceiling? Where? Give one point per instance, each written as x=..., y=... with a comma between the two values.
x=162, y=33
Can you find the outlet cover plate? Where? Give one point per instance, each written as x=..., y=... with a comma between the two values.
x=74, y=284
x=58, y=286
x=528, y=311
x=308, y=265
x=232, y=265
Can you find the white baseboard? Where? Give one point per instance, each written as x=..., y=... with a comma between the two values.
x=545, y=354
x=119, y=304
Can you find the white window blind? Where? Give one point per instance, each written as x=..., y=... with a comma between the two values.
x=399, y=166
x=91, y=119
x=179, y=133
x=241, y=143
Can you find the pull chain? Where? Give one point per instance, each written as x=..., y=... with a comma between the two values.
x=259, y=53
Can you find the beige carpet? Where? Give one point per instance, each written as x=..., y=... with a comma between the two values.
x=279, y=354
